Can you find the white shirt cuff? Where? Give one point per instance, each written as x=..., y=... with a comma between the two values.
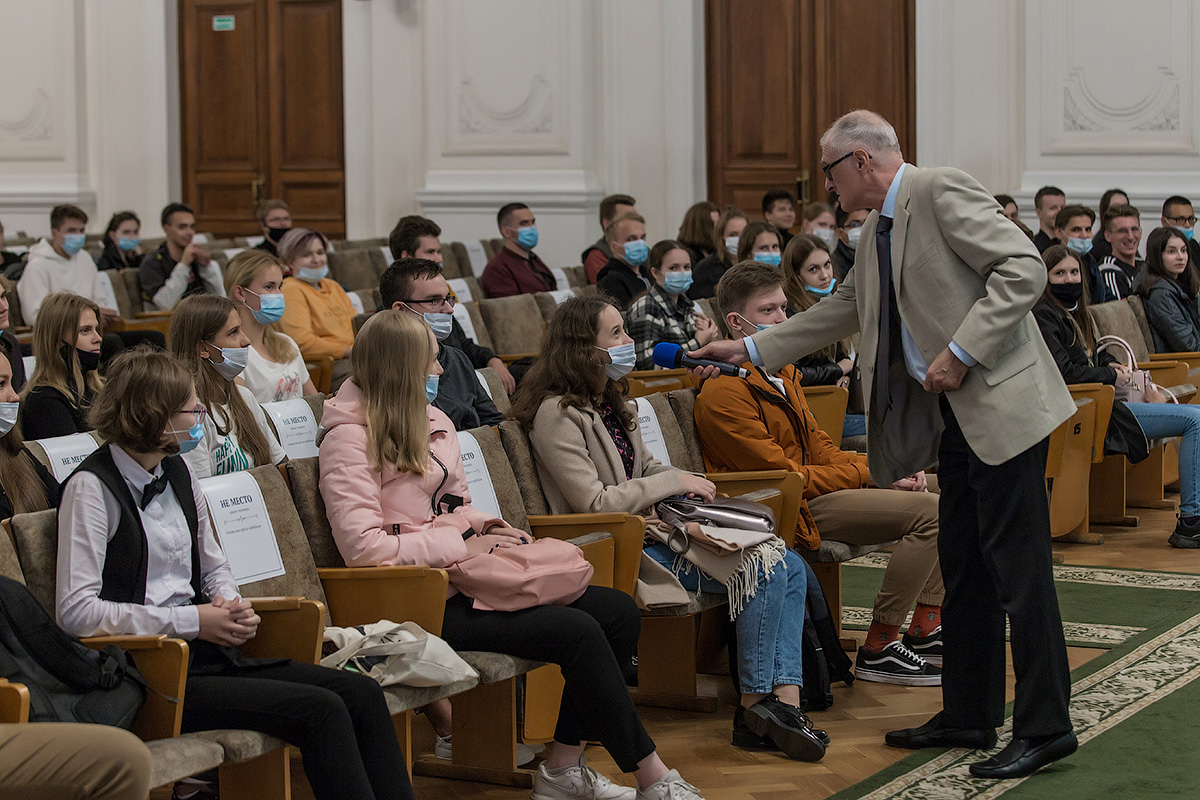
x=752, y=349
x=962, y=355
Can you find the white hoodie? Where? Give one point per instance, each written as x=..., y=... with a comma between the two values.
x=47, y=272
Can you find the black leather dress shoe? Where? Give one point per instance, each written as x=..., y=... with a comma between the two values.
x=934, y=734
x=1021, y=757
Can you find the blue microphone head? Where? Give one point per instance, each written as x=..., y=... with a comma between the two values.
x=667, y=354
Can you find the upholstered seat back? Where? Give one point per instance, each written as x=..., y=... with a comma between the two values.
x=1118, y=319
x=35, y=537
x=504, y=482
x=304, y=476
x=513, y=323
x=520, y=457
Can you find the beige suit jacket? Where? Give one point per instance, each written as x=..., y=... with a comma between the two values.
x=962, y=272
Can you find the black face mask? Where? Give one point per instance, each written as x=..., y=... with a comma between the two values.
x=1067, y=293
x=275, y=234
x=88, y=362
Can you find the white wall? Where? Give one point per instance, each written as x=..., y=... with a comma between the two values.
x=1082, y=94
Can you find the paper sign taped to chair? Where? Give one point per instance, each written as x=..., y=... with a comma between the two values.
x=477, y=256
x=200, y=238
x=479, y=480
x=233, y=251
x=66, y=452
x=356, y=301
x=296, y=425
x=652, y=434
x=255, y=241
x=104, y=288
x=560, y=275
x=483, y=382
x=243, y=526
x=697, y=309
x=461, y=290
x=387, y=254
x=464, y=319
x=562, y=295
x=30, y=363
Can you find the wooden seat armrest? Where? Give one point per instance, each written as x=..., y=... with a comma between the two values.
x=1183, y=393
x=1166, y=373
x=163, y=662
x=1191, y=359
x=789, y=484
x=361, y=595
x=628, y=532
x=600, y=551
x=509, y=358
x=1103, y=395
x=153, y=315
x=291, y=627
x=14, y=703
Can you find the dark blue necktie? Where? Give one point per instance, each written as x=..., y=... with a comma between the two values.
x=889, y=315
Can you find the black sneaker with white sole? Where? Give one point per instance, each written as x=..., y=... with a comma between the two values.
x=896, y=664
x=927, y=647
x=1185, y=536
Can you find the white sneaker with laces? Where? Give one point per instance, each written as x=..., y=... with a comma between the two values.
x=443, y=748
x=578, y=782
x=670, y=787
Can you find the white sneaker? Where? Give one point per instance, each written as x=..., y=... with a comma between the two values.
x=670, y=787
x=443, y=748
x=578, y=781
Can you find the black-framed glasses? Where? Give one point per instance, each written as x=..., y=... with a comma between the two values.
x=1185, y=222
x=828, y=168
x=200, y=413
x=436, y=302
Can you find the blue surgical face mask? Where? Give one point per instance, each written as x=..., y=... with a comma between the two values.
x=527, y=237
x=235, y=360
x=622, y=357
x=1188, y=233
x=852, y=237
x=441, y=324
x=313, y=276
x=636, y=252
x=128, y=243
x=195, y=435
x=678, y=282
x=73, y=243
x=8, y=417
x=823, y=292
x=431, y=387
x=270, y=307
x=771, y=257
x=1081, y=246
x=759, y=327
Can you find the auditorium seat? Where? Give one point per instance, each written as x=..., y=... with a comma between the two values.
x=353, y=269
x=514, y=325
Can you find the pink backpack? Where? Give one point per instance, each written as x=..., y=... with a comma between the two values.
x=512, y=576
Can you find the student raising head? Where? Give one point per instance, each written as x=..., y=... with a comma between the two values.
x=66, y=346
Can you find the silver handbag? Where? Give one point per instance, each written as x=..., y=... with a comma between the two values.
x=726, y=512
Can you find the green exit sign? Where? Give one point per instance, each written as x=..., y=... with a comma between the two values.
x=224, y=23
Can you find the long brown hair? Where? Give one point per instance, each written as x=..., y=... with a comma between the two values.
x=242, y=270
x=730, y=213
x=749, y=234
x=1081, y=317
x=570, y=366
x=389, y=364
x=697, y=229
x=17, y=475
x=55, y=332
x=145, y=387
x=799, y=297
x=198, y=319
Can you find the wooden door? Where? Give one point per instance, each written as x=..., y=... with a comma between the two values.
x=780, y=71
x=261, y=103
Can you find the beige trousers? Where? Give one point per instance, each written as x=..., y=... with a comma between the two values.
x=875, y=516
x=61, y=761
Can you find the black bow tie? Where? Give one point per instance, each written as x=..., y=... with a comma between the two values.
x=153, y=489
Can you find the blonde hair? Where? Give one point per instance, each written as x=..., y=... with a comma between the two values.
x=242, y=270
x=198, y=319
x=55, y=329
x=389, y=364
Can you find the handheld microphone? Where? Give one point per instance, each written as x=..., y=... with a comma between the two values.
x=671, y=356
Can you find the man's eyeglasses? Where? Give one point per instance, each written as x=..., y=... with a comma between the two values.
x=435, y=302
x=828, y=168
x=1182, y=222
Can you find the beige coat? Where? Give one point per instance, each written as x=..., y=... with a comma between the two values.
x=964, y=273
x=581, y=470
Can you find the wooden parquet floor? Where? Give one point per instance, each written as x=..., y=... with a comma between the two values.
x=698, y=744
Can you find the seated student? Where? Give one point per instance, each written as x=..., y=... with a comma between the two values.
x=1121, y=272
x=849, y=228
x=7, y=257
x=25, y=485
x=727, y=232
x=696, y=232
x=274, y=367
x=136, y=498
x=779, y=209
x=1048, y=201
x=122, y=243
x=317, y=313
x=206, y=336
x=180, y=267
x=8, y=342
x=621, y=279
x=1177, y=212
x=760, y=242
x=60, y=264
x=275, y=220
x=1070, y=334
x=416, y=286
x=66, y=346
x=590, y=455
x=395, y=493
x=664, y=313
x=516, y=269
x=763, y=422
x=820, y=222
x=1101, y=249
x=1169, y=292
x=1073, y=229
x=599, y=253
x=417, y=237
x=1009, y=206
x=65, y=761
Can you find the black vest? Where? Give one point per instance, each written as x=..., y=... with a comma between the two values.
x=126, y=559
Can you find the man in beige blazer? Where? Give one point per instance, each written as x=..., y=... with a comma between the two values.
x=955, y=372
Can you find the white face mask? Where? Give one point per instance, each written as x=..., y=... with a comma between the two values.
x=852, y=237
x=235, y=360
x=622, y=358
x=826, y=235
x=731, y=244
x=8, y=416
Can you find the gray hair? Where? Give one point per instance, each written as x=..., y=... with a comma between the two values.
x=862, y=128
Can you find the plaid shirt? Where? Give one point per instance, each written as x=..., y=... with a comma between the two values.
x=653, y=318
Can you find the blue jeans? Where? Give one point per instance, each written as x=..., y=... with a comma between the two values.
x=855, y=425
x=770, y=628
x=1164, y=420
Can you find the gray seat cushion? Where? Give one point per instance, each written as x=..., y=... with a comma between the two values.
x=403, y=698
x=181, y=757
x=832, y=552
x=238, y=745
x=495, y=667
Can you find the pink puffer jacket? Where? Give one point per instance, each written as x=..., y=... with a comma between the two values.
x=384, y=518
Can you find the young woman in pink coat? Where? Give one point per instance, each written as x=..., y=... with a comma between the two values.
x=395, y=493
